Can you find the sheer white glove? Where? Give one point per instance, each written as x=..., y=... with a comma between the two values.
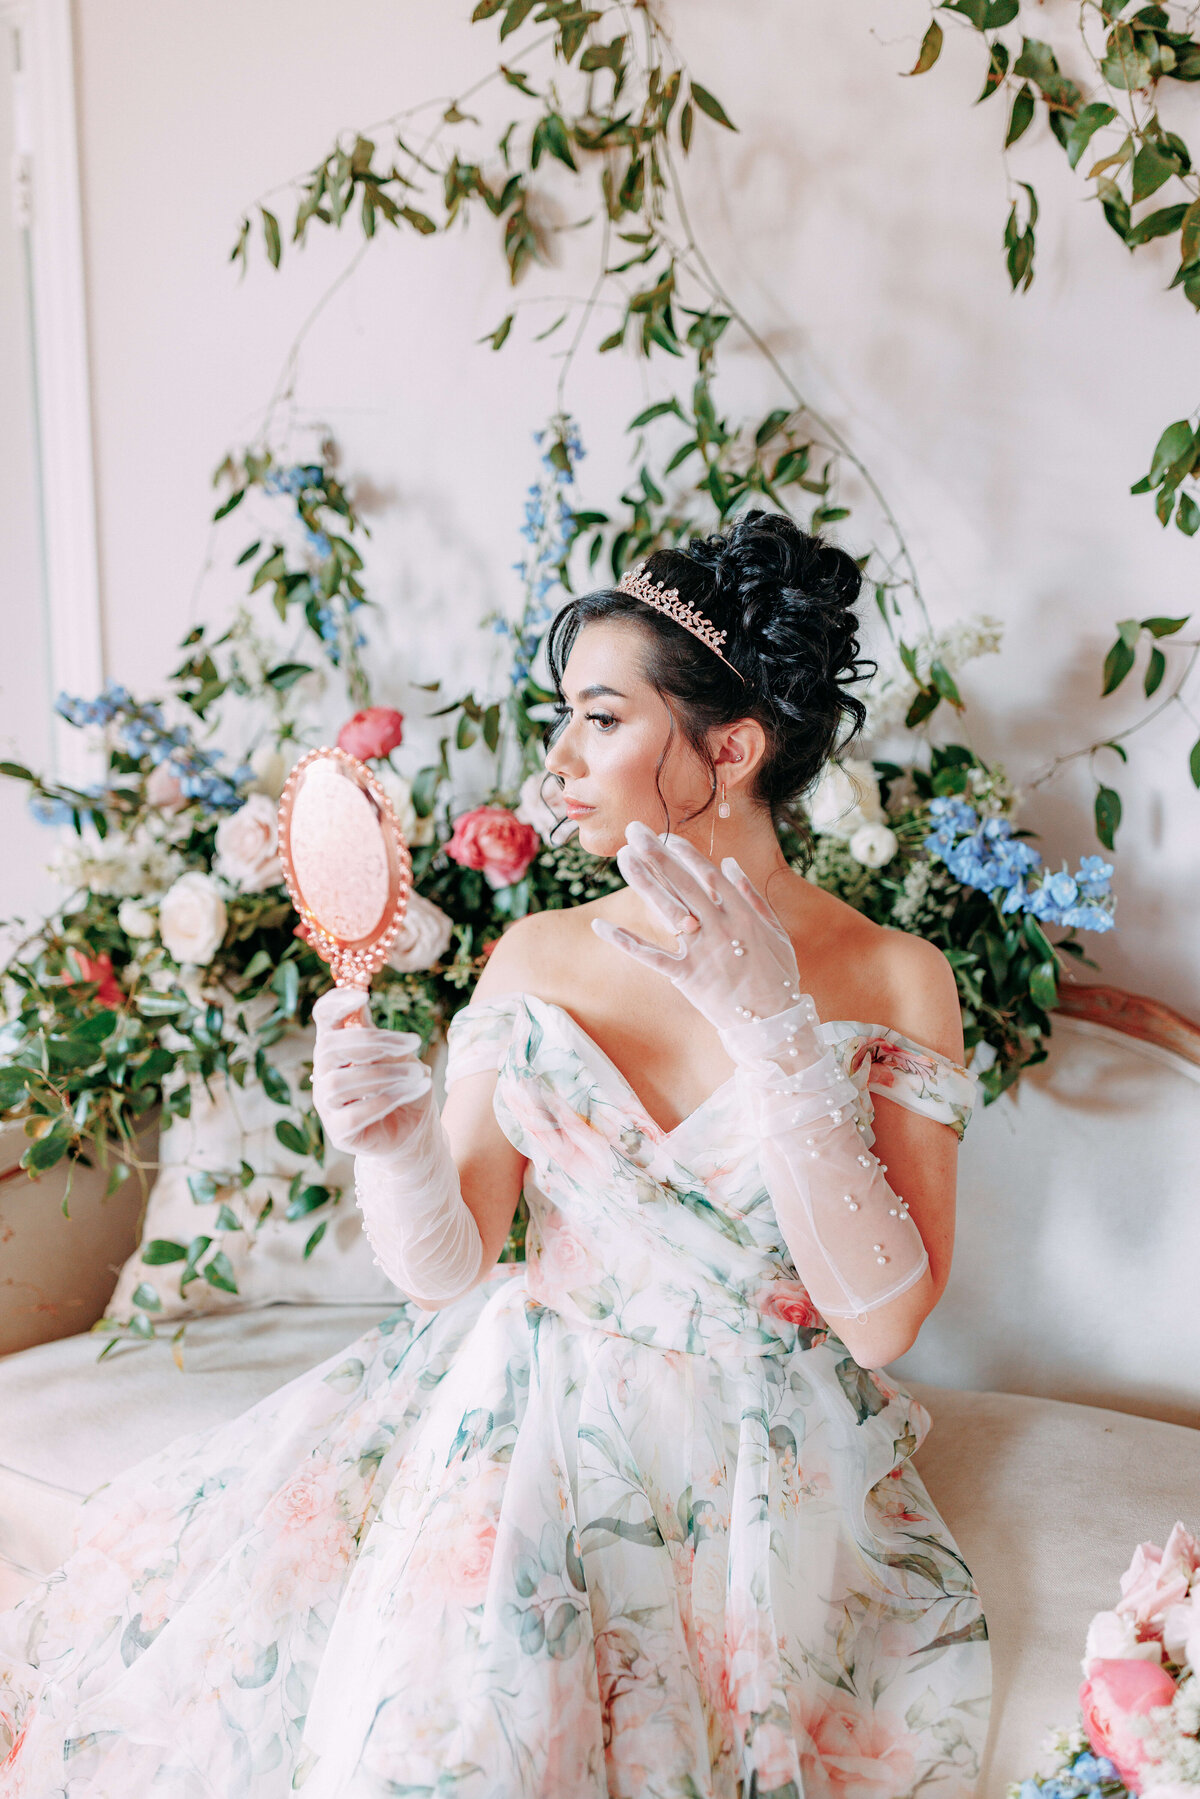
x=849, y=1235
x=374, y=1098
x=737, y=961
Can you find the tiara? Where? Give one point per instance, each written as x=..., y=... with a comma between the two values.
x=667, y=601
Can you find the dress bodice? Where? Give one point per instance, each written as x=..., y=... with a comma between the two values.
x=666, y=1237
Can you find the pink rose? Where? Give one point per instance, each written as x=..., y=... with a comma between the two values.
x=493, y=839
x=99, y=969
x=788, y=1301
x=374, y=732
x=1113, y=1695
x=854, y=1752
x=1158, y=1578
x=163, y=790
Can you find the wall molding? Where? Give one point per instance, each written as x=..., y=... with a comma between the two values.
x=48, y=180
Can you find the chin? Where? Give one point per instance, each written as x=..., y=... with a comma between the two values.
x=599, y=838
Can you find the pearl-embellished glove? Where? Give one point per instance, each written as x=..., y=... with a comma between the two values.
x=374, y=1098
x=850, y=1236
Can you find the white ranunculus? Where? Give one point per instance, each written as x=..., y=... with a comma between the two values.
x=247, y=856
x=424, y=937
x=270, y=770
x=192, y=919
x=873, y=845
x=136, y=866
x=845, y=798
x=136, y=921
x=540, y=805
x=1113, y=1637
x=417, y=831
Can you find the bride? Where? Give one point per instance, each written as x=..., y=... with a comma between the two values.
x=637, y=1518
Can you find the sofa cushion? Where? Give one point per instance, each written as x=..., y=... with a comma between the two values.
x=1046, y=1502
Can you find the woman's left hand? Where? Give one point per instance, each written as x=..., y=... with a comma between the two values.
x=736, y=960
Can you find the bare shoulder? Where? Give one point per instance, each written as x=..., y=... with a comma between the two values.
x=921, y=994
x=536, y=954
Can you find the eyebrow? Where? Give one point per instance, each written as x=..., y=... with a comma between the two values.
x=597, y=689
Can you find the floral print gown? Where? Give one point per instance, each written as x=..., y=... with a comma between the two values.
x=627, y=1522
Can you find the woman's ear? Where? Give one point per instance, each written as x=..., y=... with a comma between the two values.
x=737, y=751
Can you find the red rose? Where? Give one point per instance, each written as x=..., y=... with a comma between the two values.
x=493, y=839
x=375, y=732
x=99, y=969
x=1113, y=1695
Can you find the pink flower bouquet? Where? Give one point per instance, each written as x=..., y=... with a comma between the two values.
x=1140, y=1696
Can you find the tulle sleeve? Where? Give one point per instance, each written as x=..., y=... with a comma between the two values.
x=479, y=1036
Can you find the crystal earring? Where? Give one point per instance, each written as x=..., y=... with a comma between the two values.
x=723, y=808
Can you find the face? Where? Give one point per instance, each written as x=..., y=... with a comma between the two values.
x=615, y=726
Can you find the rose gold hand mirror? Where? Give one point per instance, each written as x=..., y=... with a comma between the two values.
x=346, y=865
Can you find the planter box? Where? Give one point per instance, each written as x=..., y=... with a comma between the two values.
x=56, y=1272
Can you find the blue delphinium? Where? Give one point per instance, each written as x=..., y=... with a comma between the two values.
x=547, y=529
x=142, y=732
x=988, y=855
x=1085, y=1776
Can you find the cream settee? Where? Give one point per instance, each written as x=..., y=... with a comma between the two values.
x=1062, y=1370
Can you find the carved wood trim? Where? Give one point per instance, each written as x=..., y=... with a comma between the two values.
x=1135, y=1016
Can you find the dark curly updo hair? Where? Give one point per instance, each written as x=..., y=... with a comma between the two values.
x=785, y=600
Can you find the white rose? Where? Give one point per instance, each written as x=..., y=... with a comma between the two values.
x=1112, y=1637
x=873, y=845
x=270, y=770
x=1181, y=1631
x=417, y=831
x=845, y=798
x=540, y=805
x=135, y=920
x=424, y=937
x=246, y=846
x=192, y=918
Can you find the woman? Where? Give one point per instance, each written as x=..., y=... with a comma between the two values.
x=636, y=1519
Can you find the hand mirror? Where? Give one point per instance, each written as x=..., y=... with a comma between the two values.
x=346, y=864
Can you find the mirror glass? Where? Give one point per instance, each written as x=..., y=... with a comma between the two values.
x=345, y=861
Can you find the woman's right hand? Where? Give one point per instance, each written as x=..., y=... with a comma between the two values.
x=369, y=1087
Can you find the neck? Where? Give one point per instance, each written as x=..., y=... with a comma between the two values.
x=749, y=837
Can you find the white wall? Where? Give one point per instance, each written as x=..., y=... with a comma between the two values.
x=857, y=217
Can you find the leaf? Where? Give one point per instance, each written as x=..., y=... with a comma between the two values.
x=1177, y=442
x=1021, y=116
x=286, y=674
x=997, y=69
x=498, y=337
x=1117, y=664
x=159, y=1250
x=145, y=1297
x=657, y=411
x=1162, y=223
x=1156, y=668
x=1043, y=986
x=1108, y=814
x=973, y=10
x=1189, y=243
x=315, y=1238
x=931, y=49
x=685, y=126
x=1114, y=206
x=709, y=104
x=1164, y=627
x=16, y=771
x=218, y=1272
x=1125, y=64
x=1000, y=13
x=270, y=225
x=291, y=1138
x=516, y=14
x=1150, y=169
x=202, y=1187
x=1082, y=129
x=1194, y=763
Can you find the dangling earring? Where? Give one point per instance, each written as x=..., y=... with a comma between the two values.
x=723, y=808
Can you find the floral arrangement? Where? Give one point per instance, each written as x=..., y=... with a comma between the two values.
x=1140, y=1696
x=176, y=956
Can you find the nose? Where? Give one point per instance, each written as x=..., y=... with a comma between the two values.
x=563, y=758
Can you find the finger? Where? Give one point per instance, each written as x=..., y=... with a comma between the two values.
x=648, y=954
x=687, y=883
x=739, y=879
x=337, y=1004
x=704, y=872
x=404, y=1085
x=644, y=881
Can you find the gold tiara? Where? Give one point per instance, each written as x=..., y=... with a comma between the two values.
x=667, y=601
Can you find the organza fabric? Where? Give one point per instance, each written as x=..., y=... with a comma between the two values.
x=375, y=1101
x=628, y=1522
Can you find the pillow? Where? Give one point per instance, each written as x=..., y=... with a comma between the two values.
x=249, y=1260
